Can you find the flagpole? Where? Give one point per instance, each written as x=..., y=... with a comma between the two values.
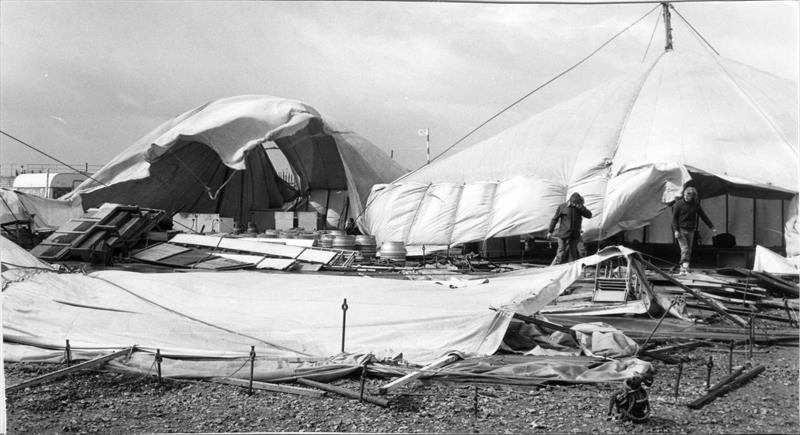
x=428, y=145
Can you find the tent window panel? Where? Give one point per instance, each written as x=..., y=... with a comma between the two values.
x=636, y=235
x=715, y=210
x=768, y=222
x=660, y=230
x=741, y=219
x=789, y=210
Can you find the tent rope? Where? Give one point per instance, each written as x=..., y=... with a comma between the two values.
x=53, y=158
x=213, y=196
x=694, y=30
x=768, y=119
x=646, y=50
x=519, y=100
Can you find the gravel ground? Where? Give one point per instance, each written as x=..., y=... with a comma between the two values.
x=110, y=402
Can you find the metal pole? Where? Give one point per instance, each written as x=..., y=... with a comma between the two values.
x=730, y=357
x=252, y=367
x=667, y=27
x=428, y=145
x=674, y=301
x=344, y=320
x=158, y=364
x=68, y=354
x=678, y=381
x=709, y=366
x=363, y=381
x=752, y=336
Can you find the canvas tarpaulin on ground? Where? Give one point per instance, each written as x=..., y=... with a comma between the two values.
x=296, y=316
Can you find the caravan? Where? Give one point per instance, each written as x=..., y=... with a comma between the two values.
x=48, y=185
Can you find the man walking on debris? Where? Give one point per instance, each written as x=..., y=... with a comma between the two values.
x=684, y=224
x=569, y=217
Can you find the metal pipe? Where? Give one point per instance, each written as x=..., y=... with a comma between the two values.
x=344, y=320
x=730, y=357
x=252, y=368
x=158, y=364
x=678, y=381
x=68, y=354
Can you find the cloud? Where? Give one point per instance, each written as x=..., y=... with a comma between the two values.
x=116, y=70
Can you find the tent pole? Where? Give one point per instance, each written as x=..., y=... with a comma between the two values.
x=667, y=26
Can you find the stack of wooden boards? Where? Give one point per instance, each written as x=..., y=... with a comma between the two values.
x=196, y=251
x=99, y=232
x=744, y=294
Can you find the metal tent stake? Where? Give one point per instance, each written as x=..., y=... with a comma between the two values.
x=730, y=357
x=252, y=367
x=678, y=381
x=752, y=335
x=68, y=354
x=363, y=381
x=344, y=320
x=158, y=364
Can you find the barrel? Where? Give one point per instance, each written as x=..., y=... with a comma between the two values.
x=326, y=240
x=366, y=247
x=394, y=251
x=344, y=242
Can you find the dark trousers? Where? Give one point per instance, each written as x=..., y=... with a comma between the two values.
x=685, y=242
x=567, y=250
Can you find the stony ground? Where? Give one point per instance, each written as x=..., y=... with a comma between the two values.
x=109, y=402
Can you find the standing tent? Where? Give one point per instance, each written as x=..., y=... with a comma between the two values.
x=628, y=146
x=213, y=159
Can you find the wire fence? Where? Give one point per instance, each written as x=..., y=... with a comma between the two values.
x=14, y=169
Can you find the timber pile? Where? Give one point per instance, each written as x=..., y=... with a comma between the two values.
x=197, y=251
x=98, y=233
x=747, y=293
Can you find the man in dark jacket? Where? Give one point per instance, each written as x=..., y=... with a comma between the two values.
x=569, y=217
x=684, y=223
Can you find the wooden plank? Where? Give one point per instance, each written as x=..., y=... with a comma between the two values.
x=309, y=255
x=317, y=256
x=729, y=386
x=272, y=249
x=303, y=243
x=441, y=362
x=186, y=259
x=159, y=252
x=63, y=372
x=716, y=306
x=269, y=387
x=218, y=263
x=343, y=391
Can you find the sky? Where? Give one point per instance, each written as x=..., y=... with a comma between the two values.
x=82, y=80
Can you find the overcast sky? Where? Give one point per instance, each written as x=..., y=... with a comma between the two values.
x=83, y=80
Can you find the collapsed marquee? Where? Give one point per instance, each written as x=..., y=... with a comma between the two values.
x=213, y=159
x=628, y=146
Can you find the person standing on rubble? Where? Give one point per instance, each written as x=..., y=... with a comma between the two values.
x=684, y=224
x=569, y=217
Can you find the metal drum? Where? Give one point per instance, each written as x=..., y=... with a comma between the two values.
x=326, y=240
x=344, y=242
x=366, y=247
x=394, y=251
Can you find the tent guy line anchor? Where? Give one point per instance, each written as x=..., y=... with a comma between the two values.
x=344, y=320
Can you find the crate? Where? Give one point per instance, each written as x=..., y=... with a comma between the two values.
x=308, y=220
x=284, y=220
